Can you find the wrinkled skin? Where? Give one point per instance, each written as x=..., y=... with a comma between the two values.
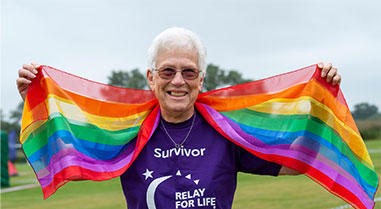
x=176, y=96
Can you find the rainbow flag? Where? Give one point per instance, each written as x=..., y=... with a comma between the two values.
x=73, y=128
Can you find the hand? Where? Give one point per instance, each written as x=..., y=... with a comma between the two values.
x=330, y=73
x=26, y=75
x=287, y=171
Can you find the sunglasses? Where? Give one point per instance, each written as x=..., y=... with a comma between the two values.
x=169, y=73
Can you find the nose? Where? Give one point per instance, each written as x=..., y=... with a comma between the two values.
x=178, y=79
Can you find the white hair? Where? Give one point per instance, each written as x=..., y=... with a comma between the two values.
x=176, y=37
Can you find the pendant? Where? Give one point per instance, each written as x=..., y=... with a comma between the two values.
x=179, y=146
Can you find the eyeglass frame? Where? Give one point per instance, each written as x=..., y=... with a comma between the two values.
x=182, y=71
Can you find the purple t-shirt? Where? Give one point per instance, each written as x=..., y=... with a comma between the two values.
x=203, y=174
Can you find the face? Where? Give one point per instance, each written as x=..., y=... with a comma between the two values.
x=177, y=95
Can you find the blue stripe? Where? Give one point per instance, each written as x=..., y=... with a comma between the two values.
x=63, y=139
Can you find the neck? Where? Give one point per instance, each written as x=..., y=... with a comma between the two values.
x=176, y=117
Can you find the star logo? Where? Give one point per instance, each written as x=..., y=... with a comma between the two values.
x=189, y=176
x=151, y=190
x=148, y=174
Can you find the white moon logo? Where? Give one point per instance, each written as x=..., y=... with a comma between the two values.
x=151, y=191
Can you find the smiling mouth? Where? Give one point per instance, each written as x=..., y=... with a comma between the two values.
x=177, y=93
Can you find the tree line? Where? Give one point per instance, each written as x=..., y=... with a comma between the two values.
x=215, y=77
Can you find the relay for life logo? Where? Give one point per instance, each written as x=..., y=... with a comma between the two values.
x=194, y=198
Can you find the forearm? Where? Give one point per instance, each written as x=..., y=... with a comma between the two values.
x=288, y=171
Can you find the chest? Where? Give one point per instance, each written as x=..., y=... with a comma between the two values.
x=200, y=172
x=205, y=153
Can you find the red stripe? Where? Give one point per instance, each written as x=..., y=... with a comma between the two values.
x=335, y=90
x=317, y=176
x=78, y=173
x=43, y=85
x=145, y=130
x=272, y=84
x=36, y=94
x=96, y=90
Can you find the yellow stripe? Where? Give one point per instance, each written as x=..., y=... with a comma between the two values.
x=29, y=116
x=308, y=105
x=31, y=120
x=26, y=116
x=30, y=129
x=68, y=109
x=71, y=111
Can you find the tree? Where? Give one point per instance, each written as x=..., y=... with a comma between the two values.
x=364, y=110
x=216, y=77
x=4, y=125
x=15, y=119
x=16, y=114
x=7, y=126
x=234, y=77
x=129, y=79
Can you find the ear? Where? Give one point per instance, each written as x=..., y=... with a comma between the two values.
x=151, y=79
x=201, y=83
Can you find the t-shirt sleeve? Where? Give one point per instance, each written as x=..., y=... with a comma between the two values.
x=249, y=163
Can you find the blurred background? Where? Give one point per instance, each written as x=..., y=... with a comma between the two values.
x=106, y=41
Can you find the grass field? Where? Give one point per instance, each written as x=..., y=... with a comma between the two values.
x=252, y=192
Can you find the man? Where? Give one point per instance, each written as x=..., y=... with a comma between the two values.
x=186, y=163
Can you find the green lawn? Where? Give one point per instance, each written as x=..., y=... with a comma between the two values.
x=252, y=192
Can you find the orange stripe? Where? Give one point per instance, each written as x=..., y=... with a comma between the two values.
x=97, y=107
x=29, y=116
x=312, y=89
x=341, y=111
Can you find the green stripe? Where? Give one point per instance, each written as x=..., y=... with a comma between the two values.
x=294, y=123
x=81, y=130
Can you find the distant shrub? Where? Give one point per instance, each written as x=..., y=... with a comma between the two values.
x=370, y=134
x=369, y=129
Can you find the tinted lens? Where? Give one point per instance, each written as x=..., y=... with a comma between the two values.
x=167, y=73
x=189, y=74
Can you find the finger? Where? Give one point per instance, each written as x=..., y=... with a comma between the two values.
x=22, y=83
x=31, y=68
x=35, y=65
x=320, y=65
x=331, y=73
x=325, y=69
x=336, y=80
x=26, y=74
x=22, y=89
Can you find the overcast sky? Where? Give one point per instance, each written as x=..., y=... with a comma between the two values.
x=90, y=38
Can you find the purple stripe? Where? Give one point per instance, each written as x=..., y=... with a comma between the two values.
x=71, y=157
x=310, y=153
x=234, y=132
x=156, y=123
x=336, y=167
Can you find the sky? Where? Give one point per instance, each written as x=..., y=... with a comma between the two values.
x=90, y=38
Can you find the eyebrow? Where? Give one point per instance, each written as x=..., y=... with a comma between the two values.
x=173, y=67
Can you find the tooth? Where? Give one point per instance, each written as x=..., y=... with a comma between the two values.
x=177, y=93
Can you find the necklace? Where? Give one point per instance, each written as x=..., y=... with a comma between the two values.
x=178, y=146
